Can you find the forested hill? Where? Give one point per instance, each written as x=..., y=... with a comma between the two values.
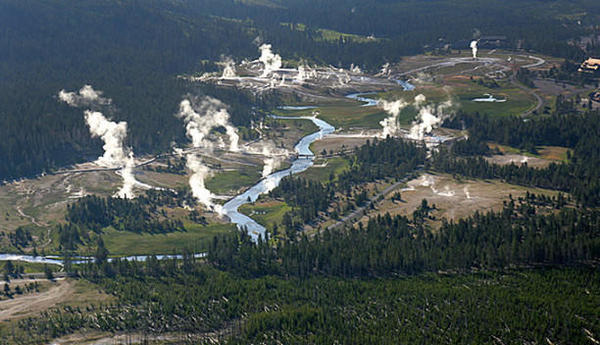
x=133, y=51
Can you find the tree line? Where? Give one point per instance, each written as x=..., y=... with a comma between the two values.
x=580, y=132
x=391, y=158
x=519, y=234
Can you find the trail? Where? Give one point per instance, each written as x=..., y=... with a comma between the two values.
x=31, y=218
x=26, y=305
x=35, y=222
x=358, y=212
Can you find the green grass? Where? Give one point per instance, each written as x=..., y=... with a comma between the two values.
x=462, y=94
x=29, y=267
x=197, y=237
x=335, y=165
x=517, y=103
x=513, y=150
x=353, y=116
x=266, y=214
x=554, y=153
x=327, y=35
x=303, y=127
x=226, y=181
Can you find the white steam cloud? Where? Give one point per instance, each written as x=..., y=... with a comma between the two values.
x=385, y=70
x=428, y=116
x=429, y=181
x=229, y=69
x=113, y=135
x=199, y=174
x=302, y=74
x=390, y=124
x=343, y=77
x=355, y=69
x=305, y=73
x=273, y=159
x=474, y=49
x=200, y=118
x=86, y=96
x=128, y=178
x=272, y=62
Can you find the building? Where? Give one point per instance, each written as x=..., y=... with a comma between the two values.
x=493, y=42
x=591, y=66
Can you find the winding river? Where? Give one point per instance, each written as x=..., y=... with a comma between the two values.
x=270, y=182
x=302, y=163
x=230, y=208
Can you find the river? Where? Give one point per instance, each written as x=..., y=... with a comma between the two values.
x=230, y=208
x=272, y=181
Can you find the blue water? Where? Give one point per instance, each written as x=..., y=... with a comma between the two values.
x=272, y=181
x=369, y=102
x=405, y=85
x=296, y=107
x=251, y=195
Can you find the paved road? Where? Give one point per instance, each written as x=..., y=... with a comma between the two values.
x=539, y=99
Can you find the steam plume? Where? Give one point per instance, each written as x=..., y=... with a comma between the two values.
x=86, y=96
x=274, y=158
x=302, y=74
x=272, y=62
x=229, y=69
x=128, y=178
x=112, y=134
x=428, y=118
x=200, y=118
x=385, y=70
x=343, y=77
x=390, y=124
x=199, y=173
x=474, y=49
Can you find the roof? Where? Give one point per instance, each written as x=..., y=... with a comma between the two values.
x=592, y=61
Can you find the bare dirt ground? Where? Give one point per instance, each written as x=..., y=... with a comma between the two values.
x=550, y=87
x=337, y=144
x=30, y=304
x=516, y=159
x=42, y=201
x=61, y=291
x=105, y=338
x=454, y=199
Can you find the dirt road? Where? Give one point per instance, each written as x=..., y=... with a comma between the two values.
x=358, y=212
x=26, y=305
